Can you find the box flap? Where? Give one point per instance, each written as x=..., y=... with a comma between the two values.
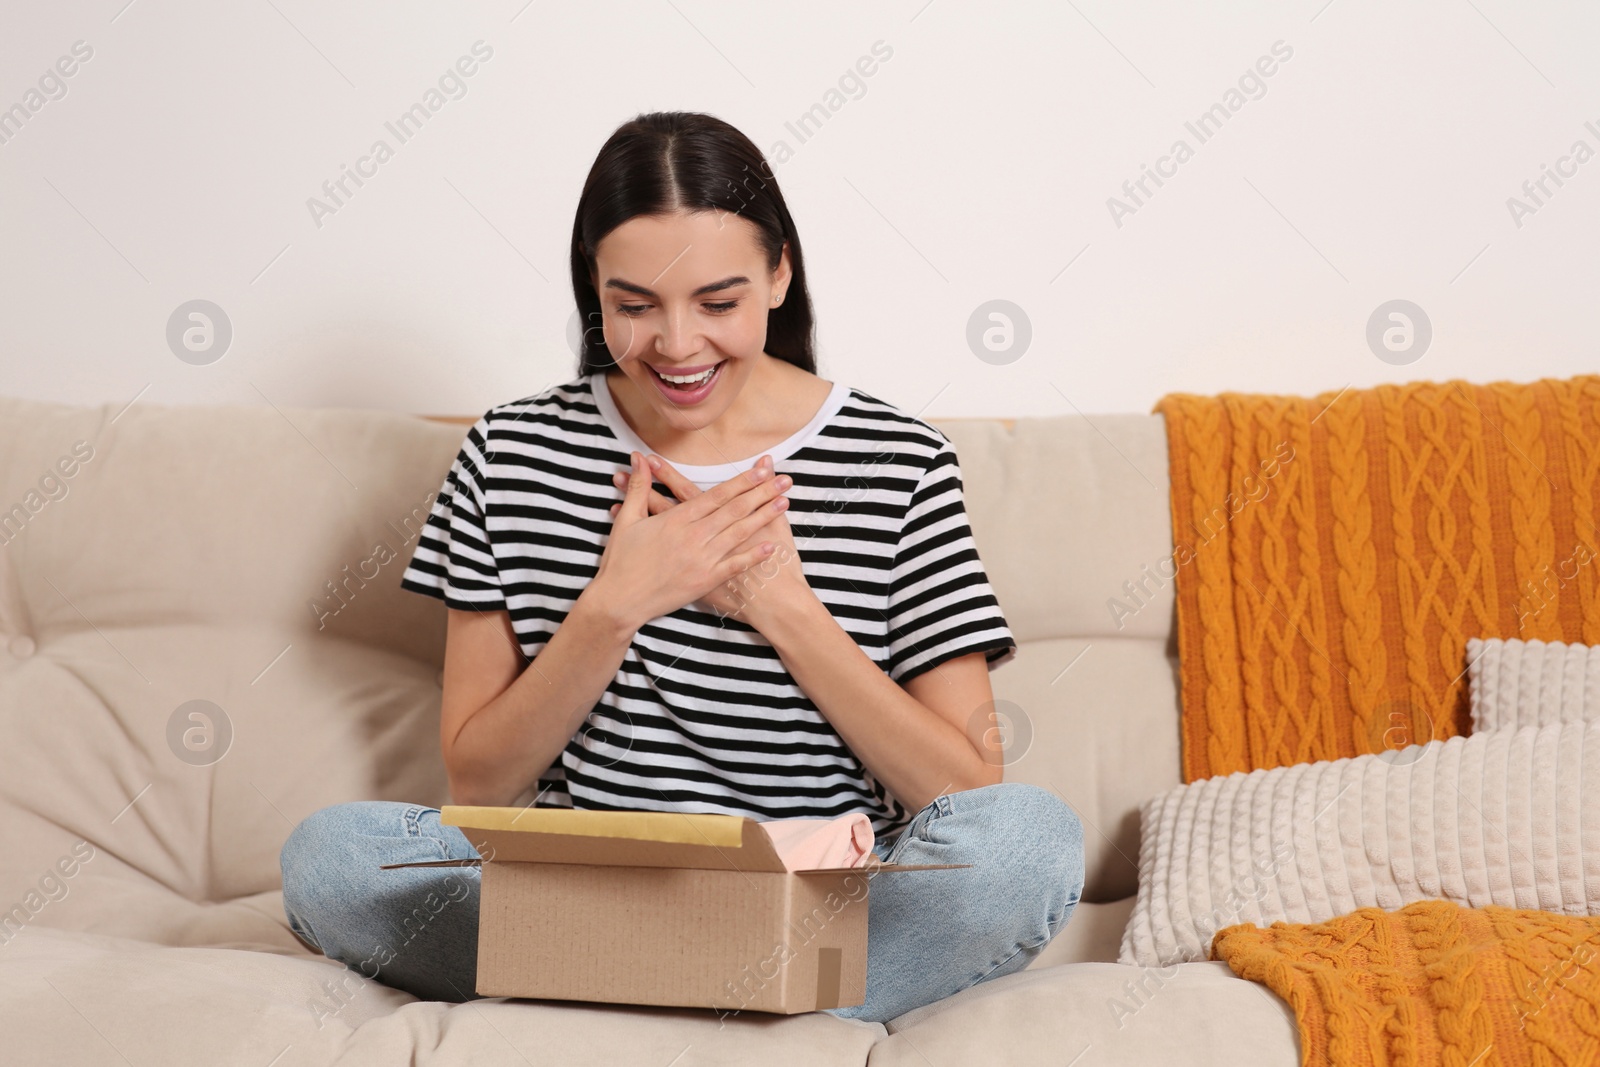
x=882, y=868
x=616, y=838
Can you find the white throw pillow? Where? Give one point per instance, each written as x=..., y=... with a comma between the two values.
x=1507, y=817
x=1513, y=682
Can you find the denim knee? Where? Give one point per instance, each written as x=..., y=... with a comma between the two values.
x=1061, y=831
x=1034, y=822
x=297, y=864
x=328, y=834
x=316, y=832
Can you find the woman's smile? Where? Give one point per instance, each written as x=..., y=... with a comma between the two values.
x=687, y=386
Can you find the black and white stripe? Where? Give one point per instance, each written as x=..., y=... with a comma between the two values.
x=702, y=715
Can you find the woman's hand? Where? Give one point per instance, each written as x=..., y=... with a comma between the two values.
x=654, y=564
x=761, y=588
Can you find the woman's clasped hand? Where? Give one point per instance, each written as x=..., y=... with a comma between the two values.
x=664, y=554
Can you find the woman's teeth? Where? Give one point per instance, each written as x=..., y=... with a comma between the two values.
x=688, y=379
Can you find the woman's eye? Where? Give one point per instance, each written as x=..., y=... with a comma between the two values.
x=639, y=309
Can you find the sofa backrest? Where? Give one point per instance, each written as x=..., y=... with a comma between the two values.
x=1072, y=521
x=202, y=641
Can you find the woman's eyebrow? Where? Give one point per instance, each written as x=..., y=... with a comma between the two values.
x=714, y=287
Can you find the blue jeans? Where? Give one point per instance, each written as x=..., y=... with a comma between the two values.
x=930, y=934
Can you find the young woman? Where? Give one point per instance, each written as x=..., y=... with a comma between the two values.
x=701, y=578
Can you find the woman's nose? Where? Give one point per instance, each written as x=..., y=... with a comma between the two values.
x=678, y=336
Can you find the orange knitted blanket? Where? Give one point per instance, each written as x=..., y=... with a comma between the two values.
x=1334, y=553
x=1432, y=983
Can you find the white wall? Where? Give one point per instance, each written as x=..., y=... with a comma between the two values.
x=977, y=165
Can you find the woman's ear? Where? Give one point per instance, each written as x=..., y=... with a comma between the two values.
x=781, y=276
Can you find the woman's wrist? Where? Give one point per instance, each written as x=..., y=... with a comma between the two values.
x=608, y=614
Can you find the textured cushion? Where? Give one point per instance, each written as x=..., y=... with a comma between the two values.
x=1513, y=682
x=1507, y=817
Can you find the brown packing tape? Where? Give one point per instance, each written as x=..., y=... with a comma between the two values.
x=830, y=961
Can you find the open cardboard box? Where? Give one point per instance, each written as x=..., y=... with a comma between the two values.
x=661, y=908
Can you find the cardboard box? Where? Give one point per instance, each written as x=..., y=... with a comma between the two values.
x=661, y=908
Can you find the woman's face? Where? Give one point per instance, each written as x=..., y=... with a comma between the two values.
x=683, y=294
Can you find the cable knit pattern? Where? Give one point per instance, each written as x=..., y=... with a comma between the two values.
x=1326, y=614
x=1356, y=575
x=1432, y=983
x=1224, y=674
x=1533, y=533
x=1506, y=817
x=1580, y=411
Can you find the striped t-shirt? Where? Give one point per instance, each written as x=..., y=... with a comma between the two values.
x=702, y=716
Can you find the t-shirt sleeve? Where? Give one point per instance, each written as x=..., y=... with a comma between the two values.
x=940, y=602
x=454, y=560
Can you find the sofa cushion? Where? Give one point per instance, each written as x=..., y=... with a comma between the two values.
x=1096, y=722
x=1196, y=1014
x=1513, y=682
x=1065, y=511
x=179, y=1006
x=1072, y=521
x=1092, y=935
x=91, y=758
x=220, y=514
x=1505, y=817
x=184, y=561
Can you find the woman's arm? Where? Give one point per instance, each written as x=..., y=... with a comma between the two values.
x=505, y=720
x=504, y=723
x=934, y=736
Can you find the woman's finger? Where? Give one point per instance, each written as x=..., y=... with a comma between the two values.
x=658, y=502
x=620, y=480
x=672, y=478
x=637, y=488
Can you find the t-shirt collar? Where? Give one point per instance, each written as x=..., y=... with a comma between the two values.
x=706, y=476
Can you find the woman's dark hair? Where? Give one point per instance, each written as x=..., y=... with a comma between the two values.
x=685, y=161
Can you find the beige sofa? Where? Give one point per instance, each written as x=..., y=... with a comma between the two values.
x=249, y=558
